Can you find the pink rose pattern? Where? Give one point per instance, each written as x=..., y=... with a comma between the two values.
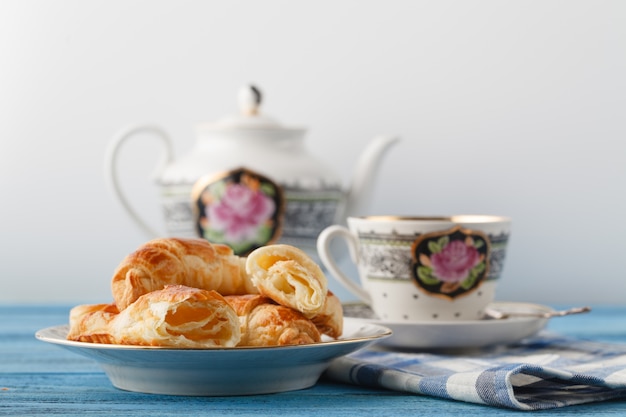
x=242, y=210
x=454, y=262
x=450, y=263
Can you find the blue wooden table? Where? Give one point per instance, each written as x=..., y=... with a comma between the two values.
x=39, y=379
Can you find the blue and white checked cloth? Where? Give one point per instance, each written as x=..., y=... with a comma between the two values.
x=547, y=371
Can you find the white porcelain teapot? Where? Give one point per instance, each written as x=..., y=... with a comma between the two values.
x=250, y=181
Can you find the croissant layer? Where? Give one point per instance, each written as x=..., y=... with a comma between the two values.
x=175, y=316
x=265, y=323
x=194, y=263
x=288, y=276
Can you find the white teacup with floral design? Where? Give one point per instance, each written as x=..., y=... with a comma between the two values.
x=422, y=268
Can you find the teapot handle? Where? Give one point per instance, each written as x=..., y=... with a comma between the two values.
x=111, y=171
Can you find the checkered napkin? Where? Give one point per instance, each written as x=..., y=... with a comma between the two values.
x=547, y=371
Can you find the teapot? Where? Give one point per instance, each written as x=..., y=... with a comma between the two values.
x=249, y=181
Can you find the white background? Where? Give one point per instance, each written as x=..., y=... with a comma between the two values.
x=504, y=107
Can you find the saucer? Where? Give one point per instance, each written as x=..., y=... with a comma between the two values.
x=219, y=371
x=462, y=334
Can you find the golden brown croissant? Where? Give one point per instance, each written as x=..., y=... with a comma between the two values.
x=329, y=320
x=176, y=316
x=264, y=323
x=178, y=261
x=91, y=323
x=288, y=276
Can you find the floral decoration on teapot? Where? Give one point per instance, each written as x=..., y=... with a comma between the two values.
x=239, y=208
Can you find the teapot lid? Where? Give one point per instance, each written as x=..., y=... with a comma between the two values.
x=250, y=116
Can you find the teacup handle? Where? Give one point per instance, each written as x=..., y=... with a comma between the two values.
x=323, y=249
x=111, y=171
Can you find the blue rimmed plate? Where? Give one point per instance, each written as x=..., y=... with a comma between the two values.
x=219, y=371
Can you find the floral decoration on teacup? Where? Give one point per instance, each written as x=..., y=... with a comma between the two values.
x=239, y=208
x=451, y=263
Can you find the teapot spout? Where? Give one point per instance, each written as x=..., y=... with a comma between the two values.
x=360, y=191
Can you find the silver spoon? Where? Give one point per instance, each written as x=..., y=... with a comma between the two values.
x=491, y=313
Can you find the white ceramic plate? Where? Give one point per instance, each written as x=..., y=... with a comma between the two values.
x=464, y=334
x=219, y=371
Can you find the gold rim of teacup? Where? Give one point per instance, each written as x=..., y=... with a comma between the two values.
x=456, y=218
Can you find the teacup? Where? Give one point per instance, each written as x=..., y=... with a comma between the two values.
x=422, y=268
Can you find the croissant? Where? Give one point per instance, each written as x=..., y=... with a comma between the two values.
x=179, y=261
x=329, y=320
x=91, y=323
x=175, y=316
x=288, y=276
x=264, y=323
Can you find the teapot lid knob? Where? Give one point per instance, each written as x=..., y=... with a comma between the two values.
x=250, y=118
x=249, y=100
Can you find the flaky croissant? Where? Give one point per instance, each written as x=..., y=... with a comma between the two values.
x=288, y=276
x=264, y=323
x=179, y=261
x=92, y=323
x=329, y=320
x=175, y=316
